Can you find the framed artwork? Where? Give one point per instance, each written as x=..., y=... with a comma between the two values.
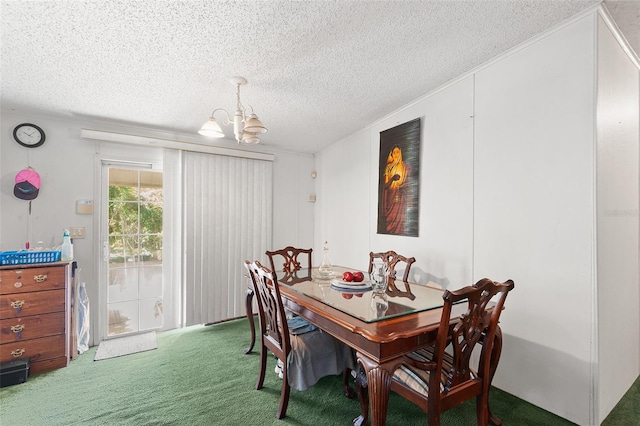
x=399, y=180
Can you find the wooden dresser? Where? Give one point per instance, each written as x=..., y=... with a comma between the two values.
x=36, y=314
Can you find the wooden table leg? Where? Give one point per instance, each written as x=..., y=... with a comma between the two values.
x=379, y=385
x=249, y=306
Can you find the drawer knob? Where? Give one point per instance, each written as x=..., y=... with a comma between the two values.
x=17, y=284
x=17, y=329
x=18, y=352
x=40, y=278
x=17, y=304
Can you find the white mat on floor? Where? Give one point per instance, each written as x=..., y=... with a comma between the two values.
x=126, y=345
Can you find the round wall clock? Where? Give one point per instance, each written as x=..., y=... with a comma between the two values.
x=29, y=135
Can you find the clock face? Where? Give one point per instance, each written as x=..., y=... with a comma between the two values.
x=28, y=135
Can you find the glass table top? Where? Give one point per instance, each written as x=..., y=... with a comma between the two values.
x=360, y=301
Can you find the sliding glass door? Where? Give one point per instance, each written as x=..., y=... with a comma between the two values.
x=132, y=250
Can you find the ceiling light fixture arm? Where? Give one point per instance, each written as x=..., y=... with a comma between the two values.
x=227, y=120
x=246, y=128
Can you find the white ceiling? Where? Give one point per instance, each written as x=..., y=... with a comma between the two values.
x=318, y=71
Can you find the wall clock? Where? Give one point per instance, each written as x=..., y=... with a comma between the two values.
x=29, y=135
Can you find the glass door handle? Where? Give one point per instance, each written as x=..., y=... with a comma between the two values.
x=105, y=251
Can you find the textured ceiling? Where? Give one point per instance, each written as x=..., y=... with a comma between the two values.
x=317, y=70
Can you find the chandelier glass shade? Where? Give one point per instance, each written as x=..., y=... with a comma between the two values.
x=246, y=127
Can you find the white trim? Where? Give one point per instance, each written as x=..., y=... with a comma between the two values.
x=594, y=382
x=103, y=243
x=173, y=144
x=97, y=314
x=617, y=34
x=101, y=182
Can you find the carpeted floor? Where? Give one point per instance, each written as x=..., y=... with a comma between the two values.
x=199, y=376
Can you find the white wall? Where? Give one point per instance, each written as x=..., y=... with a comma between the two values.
x=617, y=221
x=347, y=191
x=343, y=205
x=443, y=250
x=508, y=190
x=534, y=184
x=293, y=214
x=67, y=165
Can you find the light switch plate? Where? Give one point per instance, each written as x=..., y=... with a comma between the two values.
x=77, y=232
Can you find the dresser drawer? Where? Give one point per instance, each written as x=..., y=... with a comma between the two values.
x=48, y=365
x=26, y=304
x=35, y=349
x=31, y=279
x=31, y=327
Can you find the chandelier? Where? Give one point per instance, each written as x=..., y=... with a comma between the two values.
x=246, y=127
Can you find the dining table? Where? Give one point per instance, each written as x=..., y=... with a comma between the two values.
x=380, y=327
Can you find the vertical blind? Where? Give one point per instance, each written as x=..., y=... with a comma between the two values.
x=227, y=218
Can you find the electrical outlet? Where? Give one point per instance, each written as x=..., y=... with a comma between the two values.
x=77, y=232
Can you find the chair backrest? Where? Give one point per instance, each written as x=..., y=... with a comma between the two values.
x=273, y=321
x=477, y=324
x=391, y=259
x=287, y=262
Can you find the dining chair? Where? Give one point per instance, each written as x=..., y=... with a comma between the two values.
x=442, y=375
x=286, y=263
x=392, y=260
x=288, y=266
x=292, y=265
x=305, y=351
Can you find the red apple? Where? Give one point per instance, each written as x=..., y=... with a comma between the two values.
x=347, y=295
x=358, y=276
x=347, y=276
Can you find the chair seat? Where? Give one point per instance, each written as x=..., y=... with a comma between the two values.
x=314, y=355
x=299, y=325
x=418, y=379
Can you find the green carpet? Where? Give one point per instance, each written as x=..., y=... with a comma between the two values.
x=199, y=376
